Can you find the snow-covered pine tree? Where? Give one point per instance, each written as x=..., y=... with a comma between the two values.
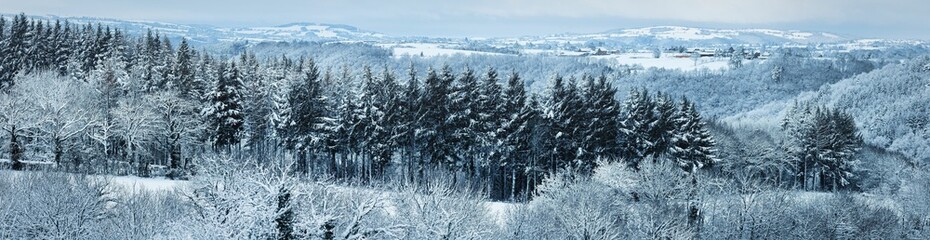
x=490, y=127
x=664, y=127
x=62, y=47
x=184, y=72
x=435, y=103
x=601, y=110
x=5, y=57
x=829, y=145
x=692, y=146
x=840, y=153
x=203, y=78
x=552, y=117
x=307, y=109
x=279, y=85
x=225, y=114
x=37, y=53
x=165, y=67
x=150, y=62
x=381, y=101
x=573, y=124
x=515, y=134
x=16, y=50
x=563, y=113
x=637, y=118
x=411, y=123
x=463, y=120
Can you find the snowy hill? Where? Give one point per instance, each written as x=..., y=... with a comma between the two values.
x=205, y=34
x=700, y=36
x=890, y=106
x=662, y=35
x=303, y=32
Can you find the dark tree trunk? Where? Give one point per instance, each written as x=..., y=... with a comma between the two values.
x=286, y=218
x=16, y=151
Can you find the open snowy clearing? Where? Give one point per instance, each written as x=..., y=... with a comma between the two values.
x=667, y=61
x=130, y=184
x=133, y=185
x=429, y=50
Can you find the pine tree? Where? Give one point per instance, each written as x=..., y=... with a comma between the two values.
x=660, y=133
x=516, y=132
x=184, y=73
x=380, y=102
x=411, y=123
x=491, y=110
x=16, y=51
x=63, y=47
x=823, y=143
x=436, y=103
x=637, y=118
x=844, y=142
x=601, y=110
x=225, y=111
x=572, y=126
x=5, y=56
x=307, y=105
x=490, y=127
x=692, y=146
x=280, y=88
x=463, y=121
x=563, y=113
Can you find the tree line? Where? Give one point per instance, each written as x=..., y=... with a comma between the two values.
x=130, y=105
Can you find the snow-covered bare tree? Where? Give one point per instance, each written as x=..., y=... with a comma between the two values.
x=18, y=117
x=136, y=123
x=177, y=127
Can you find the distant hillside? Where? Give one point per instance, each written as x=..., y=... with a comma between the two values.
x=205, y=34
x=674, y=35
x=891, y=106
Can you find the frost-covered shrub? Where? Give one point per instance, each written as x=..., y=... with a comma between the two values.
x=617, y=202
x=38, y=205
x=241, y=199
x=442, y=213
x=574, y=209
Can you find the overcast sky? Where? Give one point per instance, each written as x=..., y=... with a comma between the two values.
x=494, y=18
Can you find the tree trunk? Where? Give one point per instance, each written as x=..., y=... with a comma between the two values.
x=16, y=151
x=694, y=214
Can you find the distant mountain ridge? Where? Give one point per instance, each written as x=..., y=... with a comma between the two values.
x=703, y=36
x=306, y=31
x=206, y=34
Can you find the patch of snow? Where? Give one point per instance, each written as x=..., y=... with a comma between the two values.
x=136, y=184
x=500, y=211
x=428, y=50
x=667, y=61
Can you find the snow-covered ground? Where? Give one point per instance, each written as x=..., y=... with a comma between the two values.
x=428, y=50
x=133, y=184
x=136, y=184
x=667, y=61
x=130, y=184
x=499, y=211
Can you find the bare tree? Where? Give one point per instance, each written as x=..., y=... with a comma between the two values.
x=16, y=119
x=176, y=126
x=61, y=108
x=136, y=125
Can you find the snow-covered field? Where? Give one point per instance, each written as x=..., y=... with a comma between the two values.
x=137, y=184
x=667, y=61
x=130, y=184
x=428, y=50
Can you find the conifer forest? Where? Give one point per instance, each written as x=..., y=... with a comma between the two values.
x=124, y=129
